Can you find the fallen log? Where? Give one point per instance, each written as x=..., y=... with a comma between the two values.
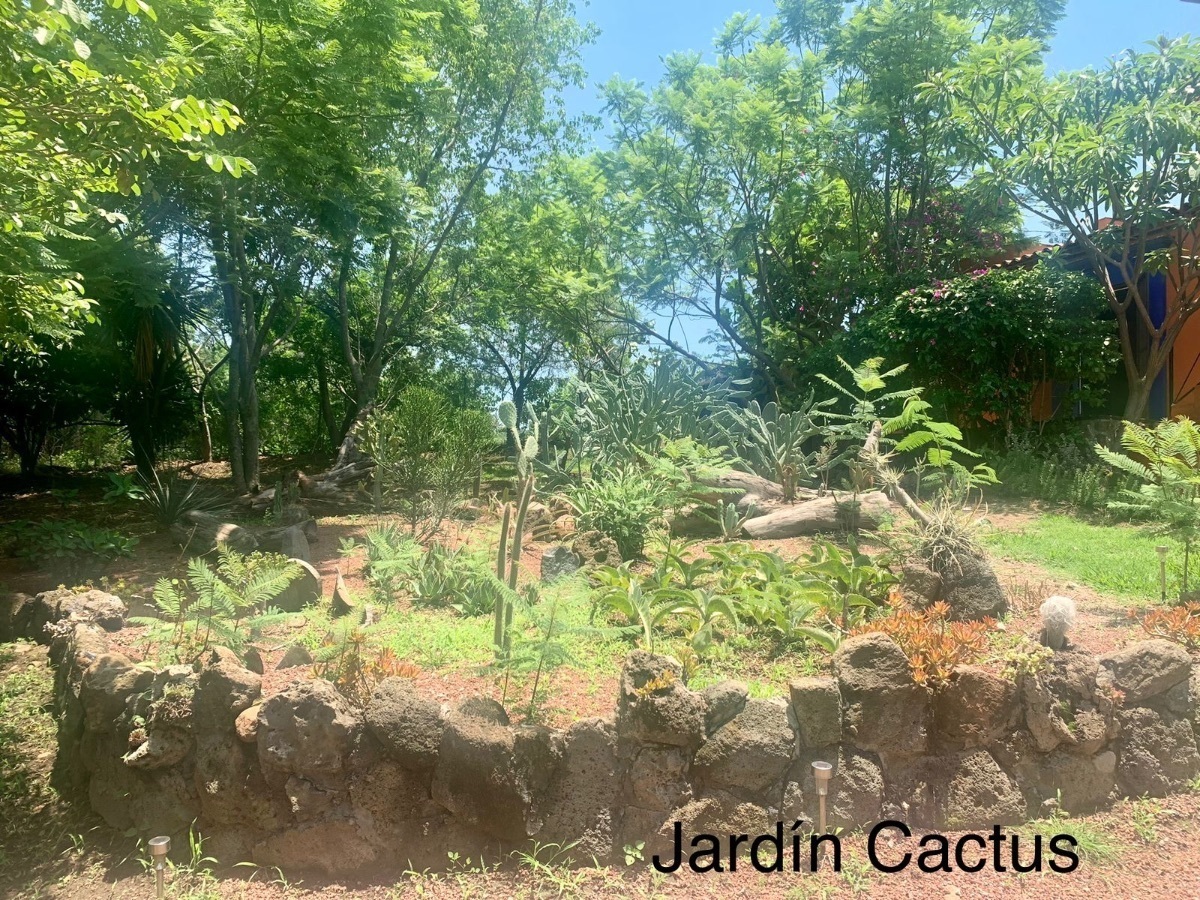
x=731, y=486
x=746, y=491
x=834, y=512
x=276, y=539
x=201, y=532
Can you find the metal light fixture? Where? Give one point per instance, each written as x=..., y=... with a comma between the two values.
x=822, y=774
x=1162, y=570
x=159, y=848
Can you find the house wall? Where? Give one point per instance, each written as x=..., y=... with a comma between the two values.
x=1185, y=363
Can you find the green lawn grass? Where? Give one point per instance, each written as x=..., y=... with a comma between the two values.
x=1114, y=559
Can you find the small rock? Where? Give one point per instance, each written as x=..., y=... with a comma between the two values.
x=246, y=724
x=295, y=544
x=484, y=708
x=342, y=603
x=539, y=521
x=752, y=751
x=408, y=725
x=722, y=702
x=882, y=708
x=817, y=708
x=296, y=656
x=253, y=660
x=921, y=584
x=1147, y=669
x=654, y=706
x=470, y=509
x=305, y=589
x=557, y=562
x=971, y=589
x=596, y=549
x=1106, y=762
x=295, y=514
x=225, y=688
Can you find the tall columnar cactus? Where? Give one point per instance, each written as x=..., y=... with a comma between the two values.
x=508, y=557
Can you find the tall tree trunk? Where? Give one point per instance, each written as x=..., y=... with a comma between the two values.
x=233, y=405
x=28, y=456
x=206, y=445
x=251, y=435
x=206, y=441
x=333, y=428
x=238, y=352
x=1138, y=400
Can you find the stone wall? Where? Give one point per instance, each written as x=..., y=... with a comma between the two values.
x=304, y=780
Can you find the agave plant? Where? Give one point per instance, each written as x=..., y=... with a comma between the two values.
x=171, y=498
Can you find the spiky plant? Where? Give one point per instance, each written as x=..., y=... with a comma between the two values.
x=171, y=498
x=730, y=520
x=771, y=442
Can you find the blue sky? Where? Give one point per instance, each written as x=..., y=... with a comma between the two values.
x=636, y=34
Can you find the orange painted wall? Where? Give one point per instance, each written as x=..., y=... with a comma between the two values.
x=1185, y=362
x=1185, y=370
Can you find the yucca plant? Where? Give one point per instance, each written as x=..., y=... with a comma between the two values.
x=654, y=604
x=227, y=606
x=171, y=498
x=730, y=520
x=648, y=608
x=1165, y=460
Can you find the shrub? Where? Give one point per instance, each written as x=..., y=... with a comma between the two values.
x=1179, y=623
x=934, y=645
x=1058, y=471
x=613, y=420
x=982, y=342
x=77, y=545
x=355, y=658
x=626, y=504
x=657, y=606
x=1165, y=460
x=171, y=498
x=426, y=452
x=708, y=598
x=228, y=606
x=458, y=579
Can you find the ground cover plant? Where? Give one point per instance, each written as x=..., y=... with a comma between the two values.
x=1119, y=559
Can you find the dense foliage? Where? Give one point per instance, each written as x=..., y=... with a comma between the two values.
x=273, y=220
x=982, y=344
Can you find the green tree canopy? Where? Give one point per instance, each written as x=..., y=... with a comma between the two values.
x=1111, y=158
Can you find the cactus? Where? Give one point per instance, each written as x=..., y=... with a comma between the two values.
x=1058, y=615
x=508, y=556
